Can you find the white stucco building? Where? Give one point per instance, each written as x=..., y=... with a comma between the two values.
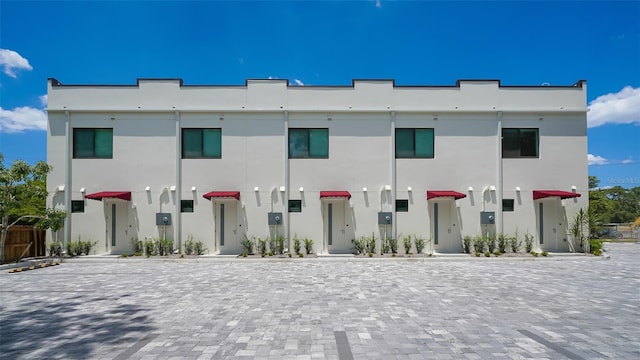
x=327, y=161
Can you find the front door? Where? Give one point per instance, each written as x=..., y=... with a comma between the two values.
x=551, y=227
x=228, y=240
x=335, y=225
x=446, y=233
x=117, y=227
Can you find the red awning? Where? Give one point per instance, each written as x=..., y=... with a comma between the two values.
x=124, y=195
x=222, y=194
x=541, y=194
x=444, y=193
x=331, y=194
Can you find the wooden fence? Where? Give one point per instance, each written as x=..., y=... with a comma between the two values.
x=18, y=239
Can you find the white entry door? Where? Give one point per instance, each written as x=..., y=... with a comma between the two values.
x=228, y=238
x=551, y=225
x=445, y=228
x=117, y=227
x=335, y=227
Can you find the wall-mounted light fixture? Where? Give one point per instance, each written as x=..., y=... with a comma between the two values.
x=517, y=188
x=193, y=188
x=387, y=187
x=282, y=188
x=470, y=189
x=573, y=188
x=492, y=188
x=147, y=189
x=83, y=190
x=364, y=189
x=173, y=188
x=301, y=189
x=256, y=189
x=60, y=188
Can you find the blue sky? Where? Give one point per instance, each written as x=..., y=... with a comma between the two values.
x=328, y=43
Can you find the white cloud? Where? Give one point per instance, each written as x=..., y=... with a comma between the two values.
x=11, y=61
x=378, y=3
x=622, y=107
x=21, y=119
x=43, y=100
x=596, y=160
x=627, y=161
x=298, y=82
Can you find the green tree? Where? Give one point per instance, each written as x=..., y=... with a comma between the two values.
x=23, y=195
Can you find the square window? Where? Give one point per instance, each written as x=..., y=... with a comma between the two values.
x=402, y=205
x=201, y=143
x=414, y=143
x=520, y=143
x=507, y=205
x=77, y=206
x=92, y=143
x=295, y=206
x=186, y=206
x=308, y=143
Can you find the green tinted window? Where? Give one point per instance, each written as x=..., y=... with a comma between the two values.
x=414, y=143
x=308, y=143
x=295, y=206
x=517, y=143
x=186, y=206
x=402, y=205
x=77, y=206
x=507, y=204
x=93, y=143
x=201, y=143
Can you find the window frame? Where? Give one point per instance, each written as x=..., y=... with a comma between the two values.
x=182, y=206
x=415, y=138
x=521, y=143
x=509, y=208
x=289, y=207
x=404, y=201
x=202, y=143
x=94, y=131
x=308, y=155
x=74, y=209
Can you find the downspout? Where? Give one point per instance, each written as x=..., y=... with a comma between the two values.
x=67, y=179
x=500, y=225
x=393, y=176
x=286, y=181
x=178, y=228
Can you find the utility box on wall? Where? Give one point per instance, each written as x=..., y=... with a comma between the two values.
x=487, y=217
x=163, y=218
x=275, y=218
x=384, y=218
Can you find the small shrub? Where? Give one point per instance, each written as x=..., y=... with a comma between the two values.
x=300, y=255
x=124, y=255
x=406, y=241
x=393, y=245
x=528, y=242
x=272, y=244
x=477, y=253
x=393, y=255
x=289, y=254
x=55, y=248
x=279, y=245
x=487, y=254
x=596, y=246
x=308, y=245
x=359, y=245
x=371, y=243
x=491, y=243
x=466, y=244
x=419, y=242
x=497, y=252
x=533, y=253
x=385, y=247
x=137, y=246
x=262, y=247
x=296, y=244
x=502, y=243
x=515, y=243
x=199, y=248
x=247, y=245
x=189, y=245
x=370, y=254
x=478, y=244
x=544, y=253
x=244, y=254
x=149, y=247
x=164, y=247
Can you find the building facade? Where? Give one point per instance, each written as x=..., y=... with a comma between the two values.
x=329, y=163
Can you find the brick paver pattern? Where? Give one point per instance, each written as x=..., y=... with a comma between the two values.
x=487, y=308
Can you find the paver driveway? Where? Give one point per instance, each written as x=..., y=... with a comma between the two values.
x=498, y=308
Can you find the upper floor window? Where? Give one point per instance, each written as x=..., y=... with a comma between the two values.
x=519, y=143
x=414, y=143
x=92, y=143
x=308, y=143
x=201, y=143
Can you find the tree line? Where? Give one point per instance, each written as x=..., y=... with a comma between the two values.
x=612, y=205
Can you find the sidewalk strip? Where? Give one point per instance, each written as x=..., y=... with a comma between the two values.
x=137, y=346
x=344, y=350
x=551, y=345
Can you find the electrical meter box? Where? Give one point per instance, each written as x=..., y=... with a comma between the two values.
x=163, y=218
x=384, y=218
x=275, y=218
x=487, y=217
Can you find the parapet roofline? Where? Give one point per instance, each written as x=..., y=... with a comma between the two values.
x=579, y=84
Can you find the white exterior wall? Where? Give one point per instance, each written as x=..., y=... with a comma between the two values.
x=466, y=118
